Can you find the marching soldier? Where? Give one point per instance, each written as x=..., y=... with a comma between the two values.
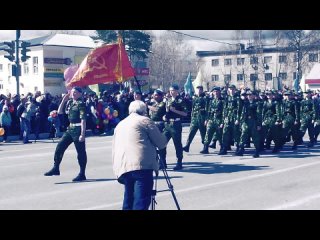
x=271, y=122
x=290, y=119
x=231, y=115
x=75, y=133
x=213, y=120
x=308, y=117
x=198, y=116
x=250, y=122
x=175, y=109
x=157, y=109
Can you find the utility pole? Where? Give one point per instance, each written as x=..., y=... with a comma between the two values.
x=18, y=68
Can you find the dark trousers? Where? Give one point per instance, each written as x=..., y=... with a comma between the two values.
x=62, y=146
x=137, y=189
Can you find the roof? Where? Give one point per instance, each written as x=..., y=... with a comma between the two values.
x=66, y=40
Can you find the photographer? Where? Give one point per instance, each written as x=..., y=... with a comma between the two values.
x=134, y=156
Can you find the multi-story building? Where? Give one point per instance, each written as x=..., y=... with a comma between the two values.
x=257, y=68
x=49, y=57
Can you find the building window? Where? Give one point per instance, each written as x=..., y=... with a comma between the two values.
x=254, y=60
x=283, y=76
x=313, y=57
x=227, y=77
x=253, y=77
x=240, y=77
x=26, y=69
x=215, y=78
x=267, y=59
x=240, y=61
x=227, y=61
x=1, y=67
x=1, y=86
x=282, y=59
x=215, y=62
x=268, y=76
x=35, y=65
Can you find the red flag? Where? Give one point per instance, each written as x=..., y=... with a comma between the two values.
x=108, y=63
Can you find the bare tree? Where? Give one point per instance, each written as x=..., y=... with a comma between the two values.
x=302, y=42
x=171, y=60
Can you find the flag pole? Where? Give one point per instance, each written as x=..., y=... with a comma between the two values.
x=138, y=84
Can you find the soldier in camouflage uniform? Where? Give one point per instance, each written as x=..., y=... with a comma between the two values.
x=213, y=119
x=308, y=117
x=271, y=123
x=198, y=115
x=175, y=109
x=75, y=133
x=157, y=109
x=250, y=122
x=290, y=119
x=231, y=115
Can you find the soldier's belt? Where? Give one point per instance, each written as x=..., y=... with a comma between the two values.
x=173, y=119
x=75, y=124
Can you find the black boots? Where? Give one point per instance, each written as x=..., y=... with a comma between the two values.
x=240, y=152
x=213, y=144
x=256, y=154
x=178, y=166
x=80, y=177
x=186, y=148
x=205, y=149
x=54, y=171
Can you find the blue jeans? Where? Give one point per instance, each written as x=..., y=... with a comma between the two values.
x=137, y=189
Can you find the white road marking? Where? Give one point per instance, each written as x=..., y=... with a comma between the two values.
x=296, y=203
x=217, y=183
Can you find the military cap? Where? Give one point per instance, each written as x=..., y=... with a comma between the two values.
x=79, y=89
x=287, y=93
x=232, y=86
x=215, y=89
x=174, y=87
x=269, y=92
x=158, y=91
x=199, y=86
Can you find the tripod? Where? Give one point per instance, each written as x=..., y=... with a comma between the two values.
x=170, y=187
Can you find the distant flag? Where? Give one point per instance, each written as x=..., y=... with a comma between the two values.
x=199, y=81
x=188, y=85
x=303, y=83
x=296, y=84
x=106, y=64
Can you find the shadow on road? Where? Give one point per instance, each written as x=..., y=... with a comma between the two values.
x=215, y=167
x=90, y=180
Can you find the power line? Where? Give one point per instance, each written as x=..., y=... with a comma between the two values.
x=203, y=38
x=193, y=36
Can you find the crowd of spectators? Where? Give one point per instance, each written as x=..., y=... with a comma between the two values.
x=35, y=113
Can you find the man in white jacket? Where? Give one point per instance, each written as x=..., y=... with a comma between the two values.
x=134, y=156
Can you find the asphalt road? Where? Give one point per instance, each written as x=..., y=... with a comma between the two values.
x=289, y=180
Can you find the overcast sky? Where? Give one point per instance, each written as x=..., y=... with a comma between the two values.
x=219, y=35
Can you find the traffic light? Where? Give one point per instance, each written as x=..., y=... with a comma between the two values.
x=24, y=51
x=10, y=50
